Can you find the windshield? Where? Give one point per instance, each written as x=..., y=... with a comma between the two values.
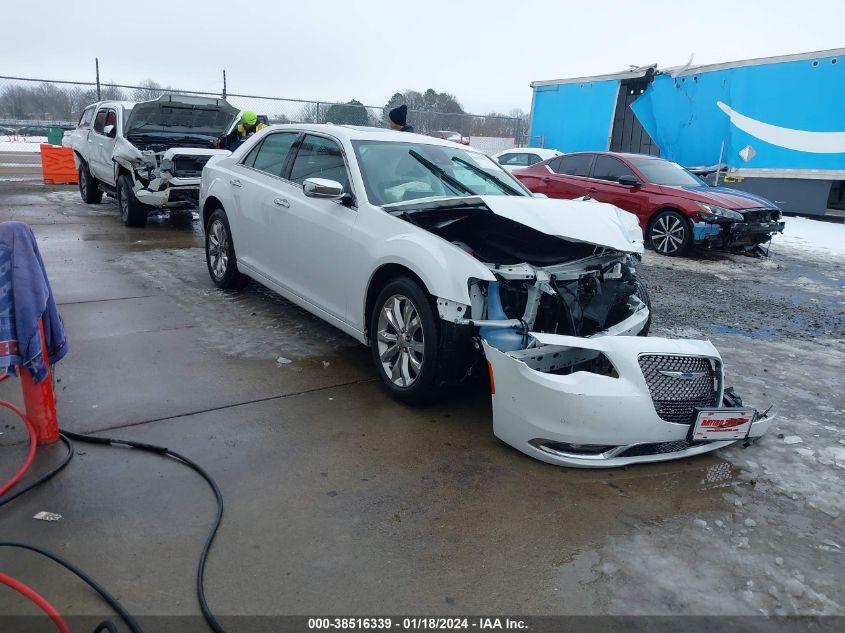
x=397, y=172
x=664, y=172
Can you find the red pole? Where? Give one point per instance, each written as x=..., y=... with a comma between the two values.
x=40, y=400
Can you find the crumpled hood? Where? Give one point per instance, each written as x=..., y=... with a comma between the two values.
x=585, y=221
x=574, y=220
x=181, y=115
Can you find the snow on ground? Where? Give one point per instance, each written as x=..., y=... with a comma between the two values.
x=805, y=234
x=21, y=143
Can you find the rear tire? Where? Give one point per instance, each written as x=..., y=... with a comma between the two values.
x=670, y=233
x=89, y=187
x=132, y=212
x=220, y=253
x=405, y=342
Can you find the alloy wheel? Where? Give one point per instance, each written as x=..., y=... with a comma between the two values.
x=668, y=234
x=218, y=249
x=400, y=340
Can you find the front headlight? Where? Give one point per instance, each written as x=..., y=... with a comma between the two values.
x=712, y=212
x=166, y=164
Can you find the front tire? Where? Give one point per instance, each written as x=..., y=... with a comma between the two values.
x=405, y=342
x=132, y=212
x=220, y=253
x=89, y=187
x=670, y=233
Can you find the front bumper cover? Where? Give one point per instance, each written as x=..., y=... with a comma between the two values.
x=586, y=419
x=182, y=195
x=735, y=234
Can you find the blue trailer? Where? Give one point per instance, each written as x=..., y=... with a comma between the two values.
x=776, y=124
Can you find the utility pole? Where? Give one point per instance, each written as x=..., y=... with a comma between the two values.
x=224, y=83
x=97, y=67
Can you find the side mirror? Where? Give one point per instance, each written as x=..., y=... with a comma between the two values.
x=630, y=181
x=322, y=188
x=109, y=131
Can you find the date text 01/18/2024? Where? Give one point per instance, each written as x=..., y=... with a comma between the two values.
x=416, y=624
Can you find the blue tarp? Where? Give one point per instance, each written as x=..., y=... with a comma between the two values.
x=790, y=114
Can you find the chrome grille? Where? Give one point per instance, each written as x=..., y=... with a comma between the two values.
x=675, y=398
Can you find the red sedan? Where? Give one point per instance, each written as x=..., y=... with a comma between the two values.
x=676, y=208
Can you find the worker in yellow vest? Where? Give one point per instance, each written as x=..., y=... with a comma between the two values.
x=247, y=126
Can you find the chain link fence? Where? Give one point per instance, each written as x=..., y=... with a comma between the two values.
x=29, y=107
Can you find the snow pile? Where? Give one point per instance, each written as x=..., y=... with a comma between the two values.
x=21, y=143
x=811, y=236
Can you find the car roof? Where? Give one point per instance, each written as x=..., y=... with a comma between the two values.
x=365, y=133
x=627, y=155
x=530, y=150
x=126, y=105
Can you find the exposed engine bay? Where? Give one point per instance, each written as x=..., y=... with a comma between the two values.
x=544, y=283
x=167, y=142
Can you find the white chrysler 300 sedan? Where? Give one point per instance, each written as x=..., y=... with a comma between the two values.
x=435, y=257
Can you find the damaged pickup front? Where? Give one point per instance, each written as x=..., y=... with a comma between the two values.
x=149, y=155
x=574, y=377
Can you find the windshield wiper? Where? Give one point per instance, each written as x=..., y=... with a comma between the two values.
x=441, y=173
x=488, y=177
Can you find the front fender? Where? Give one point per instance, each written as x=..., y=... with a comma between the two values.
x=444, y=268
x=213, y=185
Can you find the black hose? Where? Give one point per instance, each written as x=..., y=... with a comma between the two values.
x=112, y=601
x=161, y=450
x=48, y=475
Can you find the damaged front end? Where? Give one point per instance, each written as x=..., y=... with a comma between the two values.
x=574, y=377
x=741, y=230
x=164, y=177
x=167, y=142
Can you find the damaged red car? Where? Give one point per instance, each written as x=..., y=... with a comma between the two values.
x=676, y=209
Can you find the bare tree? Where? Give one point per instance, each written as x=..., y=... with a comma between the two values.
x=309, y=113
x=147, y=90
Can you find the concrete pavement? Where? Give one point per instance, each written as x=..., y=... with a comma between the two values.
x=338, y=499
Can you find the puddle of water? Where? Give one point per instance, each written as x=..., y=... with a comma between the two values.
x=764, y=335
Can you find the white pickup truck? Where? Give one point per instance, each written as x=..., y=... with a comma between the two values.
x=149, y=155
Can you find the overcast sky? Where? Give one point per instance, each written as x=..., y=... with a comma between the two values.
x=484, y=52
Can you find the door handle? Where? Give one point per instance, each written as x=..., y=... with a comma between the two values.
x=281, y=202
x=235, y=183
x=546, y=179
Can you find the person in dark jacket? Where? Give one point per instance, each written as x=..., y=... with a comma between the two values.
x=398, y=119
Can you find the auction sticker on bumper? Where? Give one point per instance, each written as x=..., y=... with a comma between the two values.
x=722, y=424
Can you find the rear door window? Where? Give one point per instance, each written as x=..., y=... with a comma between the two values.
x=610, y=168
x=533, y=159
x=319, y=157
x=271, y=155
x=515, y=159
x=574, y=165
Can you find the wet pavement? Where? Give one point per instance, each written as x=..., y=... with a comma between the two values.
x=340, y=500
